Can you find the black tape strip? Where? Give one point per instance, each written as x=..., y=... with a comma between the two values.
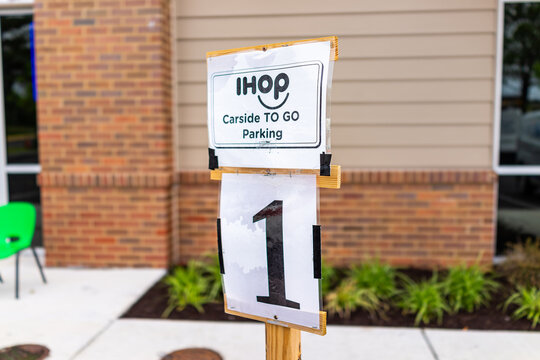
x=317, y=251
x=220, y=249
x=325, y=164
x=213, y=162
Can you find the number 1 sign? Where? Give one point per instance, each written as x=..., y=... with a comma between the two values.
x=269, y=235
x=269, y=144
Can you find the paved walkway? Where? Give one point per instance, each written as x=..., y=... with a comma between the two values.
x=76, y=317
x=69, y=312
x=152, y=339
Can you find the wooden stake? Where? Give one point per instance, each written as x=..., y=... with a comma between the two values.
x=330, y=182
x=282, y=343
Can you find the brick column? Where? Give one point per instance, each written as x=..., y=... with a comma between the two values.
x=105, y=143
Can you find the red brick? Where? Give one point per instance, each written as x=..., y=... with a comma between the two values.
x=359, y=222
x=86, y=120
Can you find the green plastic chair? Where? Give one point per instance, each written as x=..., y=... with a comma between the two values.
x=17, y=224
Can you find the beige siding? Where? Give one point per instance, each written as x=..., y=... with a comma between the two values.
x=413, y=87
x=210, y=8
x=388, y=136
x=374, y=91
x=381, y=69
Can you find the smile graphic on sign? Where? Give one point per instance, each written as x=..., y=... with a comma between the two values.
x=264, y=85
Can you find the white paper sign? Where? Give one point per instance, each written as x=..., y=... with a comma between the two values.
x=267, y=245
x=267, y=109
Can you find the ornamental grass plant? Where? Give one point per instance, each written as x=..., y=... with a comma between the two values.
x=196, y=284
x=187, y=286
x=522, y=264
x=211, y=270
x=378, y=277
x=376, y=288
x=468, y=288
x=424, y=299
x=527, y=301
x=330, y=277
x=347, y=298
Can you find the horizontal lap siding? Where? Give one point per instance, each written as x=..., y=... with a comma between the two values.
x=365, y=47
x=351, y=92
x=381, y=157
x=413, y=86
x=388, y=136
x=343, y=24
x=379, y=69
x=284, y=7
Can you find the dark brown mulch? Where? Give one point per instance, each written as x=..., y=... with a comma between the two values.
x=24, y=352
x=152, y=304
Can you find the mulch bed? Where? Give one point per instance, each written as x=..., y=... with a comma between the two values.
x=152, y=304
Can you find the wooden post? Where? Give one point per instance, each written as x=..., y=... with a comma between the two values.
x=282, y=343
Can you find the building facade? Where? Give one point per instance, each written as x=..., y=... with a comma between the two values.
x=122, y=138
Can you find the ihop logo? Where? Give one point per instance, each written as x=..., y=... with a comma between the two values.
x=265, y=85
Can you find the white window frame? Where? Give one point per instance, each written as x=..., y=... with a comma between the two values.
x=5, y=168
x=504, y=169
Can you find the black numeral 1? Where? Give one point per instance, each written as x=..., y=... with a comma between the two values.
x=273, y=213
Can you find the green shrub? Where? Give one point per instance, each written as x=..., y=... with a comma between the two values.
x=424, y=299
x=380, y=278
x=522, y=264
x=528, y=302
x=187, y=286
x=346, y=298
x=330, y=277
x=212, y=272
x=468, y=288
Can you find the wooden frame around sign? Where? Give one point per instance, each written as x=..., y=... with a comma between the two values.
x=333, y=46
x=322, y=320
x=331, y=182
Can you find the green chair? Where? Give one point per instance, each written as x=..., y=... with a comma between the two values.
x=17, y=224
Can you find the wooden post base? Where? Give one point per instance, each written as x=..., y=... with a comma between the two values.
x=282, y=343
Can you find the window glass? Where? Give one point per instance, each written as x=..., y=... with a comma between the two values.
x=19, y=89
x=520, y=90
x=519, y=210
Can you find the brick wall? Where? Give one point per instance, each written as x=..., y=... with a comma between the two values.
x=104, y=119
x=407, y=218
x=197, y=210
x=106, y=226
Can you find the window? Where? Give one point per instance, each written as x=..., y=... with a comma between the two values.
x=517, y=119
x=18, y=127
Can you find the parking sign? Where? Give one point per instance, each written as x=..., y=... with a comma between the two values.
x=267, y=109
x=267, y=238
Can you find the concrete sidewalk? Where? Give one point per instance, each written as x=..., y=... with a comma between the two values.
x=71, y=310
x=152, y=339
x=76, y=316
